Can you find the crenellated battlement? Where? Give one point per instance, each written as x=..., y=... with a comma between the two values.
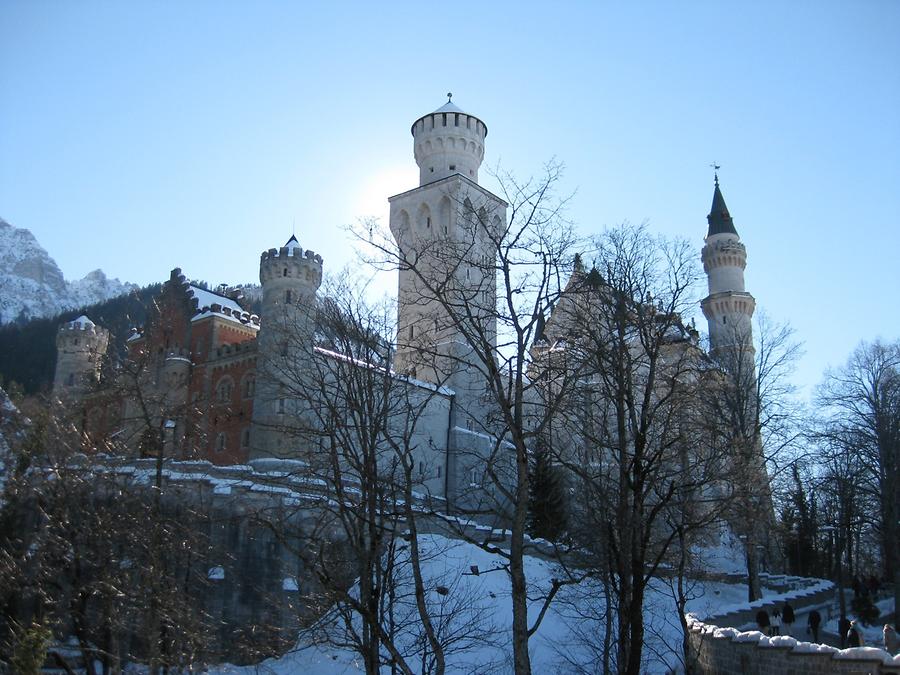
x=448, y=141
x=291, y=262
x=83, y=335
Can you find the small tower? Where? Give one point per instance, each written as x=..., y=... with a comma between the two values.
x=446, y=225
x=290, y=278
x=80, y=347
x=729, y=307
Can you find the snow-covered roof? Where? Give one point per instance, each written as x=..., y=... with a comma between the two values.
x=206, y=299
x=81, y=322
x=450, y=106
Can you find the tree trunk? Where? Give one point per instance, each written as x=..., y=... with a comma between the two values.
x=521, y=658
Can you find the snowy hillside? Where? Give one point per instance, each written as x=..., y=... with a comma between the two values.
x=32, y=285
x=476, y=609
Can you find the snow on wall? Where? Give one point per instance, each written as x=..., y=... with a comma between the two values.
x=724, y=650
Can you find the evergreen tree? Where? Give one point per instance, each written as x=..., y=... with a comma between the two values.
x=547, y=512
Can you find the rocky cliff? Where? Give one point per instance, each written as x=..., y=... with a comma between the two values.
x=32, y=285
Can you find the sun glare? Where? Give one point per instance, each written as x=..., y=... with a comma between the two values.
x=372, y=198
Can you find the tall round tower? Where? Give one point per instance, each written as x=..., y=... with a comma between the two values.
x=80, y=346
x=448, y=225
x=729, y=307
x=448, y=141
x=290, y=278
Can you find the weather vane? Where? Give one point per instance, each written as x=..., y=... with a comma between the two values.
x=449, y=96
x=715, y=168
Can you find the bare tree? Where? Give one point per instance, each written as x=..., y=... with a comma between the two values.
x=753, y=415
x=642, y=471
x=862, y=399
x=483, y=285
x=365, y=475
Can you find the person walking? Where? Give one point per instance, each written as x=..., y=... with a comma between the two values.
x=843, y=630
x=787, y=618
x=891, y=643
x=854, y=637
x=776, y=623
x=812, y=624
x=762, y=620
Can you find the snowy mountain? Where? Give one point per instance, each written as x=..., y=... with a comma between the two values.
x=32, y=285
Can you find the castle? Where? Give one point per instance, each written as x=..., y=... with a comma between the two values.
x=221, y=384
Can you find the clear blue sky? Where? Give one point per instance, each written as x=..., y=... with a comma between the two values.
x=140, y=136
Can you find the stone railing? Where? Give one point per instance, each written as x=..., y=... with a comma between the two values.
x=719, y=646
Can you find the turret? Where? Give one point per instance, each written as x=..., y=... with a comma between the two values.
x=290, y=278
x=728, y=308
x=80, y=347
x=448, y=141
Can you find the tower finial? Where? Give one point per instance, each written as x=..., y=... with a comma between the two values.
x=449, y=96
x=715, y=168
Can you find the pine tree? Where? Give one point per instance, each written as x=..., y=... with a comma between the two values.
x=547, y=513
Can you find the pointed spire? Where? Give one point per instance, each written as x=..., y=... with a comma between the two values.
x=292, y=242
x=719, y=219
x=578, y=266
x=539, y=327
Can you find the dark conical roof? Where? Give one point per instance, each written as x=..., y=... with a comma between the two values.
x=719, y=219
x=539, y=327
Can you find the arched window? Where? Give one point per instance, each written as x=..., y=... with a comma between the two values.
x=249, y=388
x=220, y=442
x=224, y=390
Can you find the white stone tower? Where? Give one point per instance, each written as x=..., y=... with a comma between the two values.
x=290, y=278
x=80, y=347
x=729, y=307
x=446, y=228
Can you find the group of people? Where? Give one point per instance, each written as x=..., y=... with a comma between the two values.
x=784, y=617
x=849, y=630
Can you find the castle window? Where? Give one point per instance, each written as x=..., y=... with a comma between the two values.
x=453, y=167
x=224, y=390
x=412, y=332
x=421, y=468
x=724, y=319
x=456, y=121
x=431, y=169
x=70, y=380
x=220, y=442
x=245, y=438
x=444, y=115
x=439, y=468
x=287, y=297
x=279, y=407
x=76, y=342
x=249, y=386
x=428, y=222
x=285, y=272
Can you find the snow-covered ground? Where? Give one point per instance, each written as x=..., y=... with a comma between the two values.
x=567, y=640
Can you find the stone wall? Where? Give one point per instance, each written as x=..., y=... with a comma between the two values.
x=720, y=647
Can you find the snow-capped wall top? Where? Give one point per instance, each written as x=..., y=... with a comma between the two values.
x=206, y=299
x=32, y=285
x=81, y=322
